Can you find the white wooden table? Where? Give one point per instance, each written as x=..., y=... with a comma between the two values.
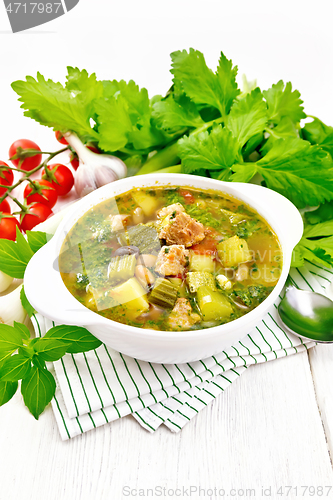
x=273, y=428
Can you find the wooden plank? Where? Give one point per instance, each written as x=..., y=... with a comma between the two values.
x=264, y=431
x=321, y=362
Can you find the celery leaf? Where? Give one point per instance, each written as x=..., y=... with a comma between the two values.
x=281, y=101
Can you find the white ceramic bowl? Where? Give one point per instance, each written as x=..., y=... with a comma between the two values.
x=47, y=293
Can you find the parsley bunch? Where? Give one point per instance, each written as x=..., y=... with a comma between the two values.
x=205, y=124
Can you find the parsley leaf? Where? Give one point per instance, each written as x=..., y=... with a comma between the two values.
x=247, y=117
x=201, y=84
x=315, y=245
x=286, y=129
x=323, y=213
x=172, y=116
x=281, y=101
x=53, y=105
x=299, y=171
x=216, y=150
x=138, y=104
x=114, y=123
x=317, y=132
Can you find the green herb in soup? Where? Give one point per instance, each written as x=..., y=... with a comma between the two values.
x=171, y=259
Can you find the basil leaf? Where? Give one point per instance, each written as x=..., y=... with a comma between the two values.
x=4, y=355
x=24, y=330
x=50, y=349
x=10, y=338
x=38, y=389
x=15, y=368
x=37, y=239
x=38, y=362
x=14, y=256
x=79, y=337
x=7, y=391
x=25, y=303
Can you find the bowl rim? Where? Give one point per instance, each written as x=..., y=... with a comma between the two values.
x=92, y=318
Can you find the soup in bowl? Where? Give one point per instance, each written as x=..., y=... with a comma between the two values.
x=166, y=272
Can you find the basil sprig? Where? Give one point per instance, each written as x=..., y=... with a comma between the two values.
x=22, y=357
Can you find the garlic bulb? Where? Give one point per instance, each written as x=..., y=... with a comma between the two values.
x=95, y=170
x=11, y=308
x=5, y=281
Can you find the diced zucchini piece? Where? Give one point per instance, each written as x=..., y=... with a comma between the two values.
x=197, y=279
x=181, y=286
x=201, y=263
x=133, y=295
x=142, y=236
x=232, y=216
x=121, y=267
x=213, y=305
x=164, y=293
x=233, y=251
x=146, y=201
x=176, y=281
x=223, y=282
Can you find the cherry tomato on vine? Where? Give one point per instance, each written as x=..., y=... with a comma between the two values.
x=6, y=177
x=8, y=225
x=74, y=159
x=26, y=163
x=60, y=138
x=48, y=196
x=5, y=207
x=61, y=178
x=36, y=214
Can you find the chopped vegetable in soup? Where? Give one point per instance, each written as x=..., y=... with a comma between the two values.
x=171, y=259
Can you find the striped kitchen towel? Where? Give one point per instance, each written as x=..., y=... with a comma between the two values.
x=100, y=386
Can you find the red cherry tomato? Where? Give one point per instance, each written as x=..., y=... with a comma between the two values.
x=30, y=162
x=61, y=178
x=207, y=246
x=5, y=207
x=74, y=159
x=8, y=225
x=36, y=214
x=60, y=138
x=6, y=177
x=48, y=196
x=188, y=197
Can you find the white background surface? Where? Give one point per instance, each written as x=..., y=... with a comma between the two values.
x=271, y=428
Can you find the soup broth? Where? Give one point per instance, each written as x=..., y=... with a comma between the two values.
x=171, y=258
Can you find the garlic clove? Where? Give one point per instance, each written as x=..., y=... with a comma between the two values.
x=11, y=308
x=104, y=175
x=5, y=281
x=84, y=180
x=95, y=170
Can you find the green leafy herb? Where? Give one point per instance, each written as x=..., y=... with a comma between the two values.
x=25, y=303
x=315, y=245
x=37, y=239
x=247, y=117
x=201, y=84
x=281, y=101
x=38, y=389
x=323, y=213
x=29, y=364
x=204, y=120
x=215, y=151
